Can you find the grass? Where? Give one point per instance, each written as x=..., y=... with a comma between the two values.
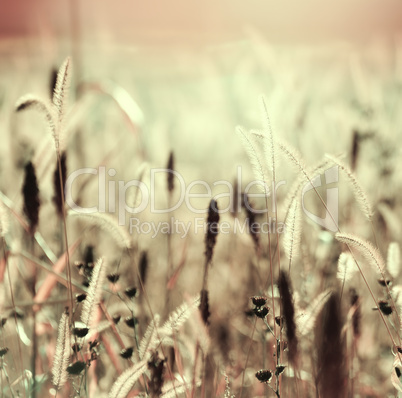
x=90, y=309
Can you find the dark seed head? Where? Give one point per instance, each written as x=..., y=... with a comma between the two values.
x=398, y=372
x=258, y=301
x=80, y=332
x=143, y=266
x=30, y=192
x=170, y=166
x=3, y=351
x=279, y=320
x=279, y=370
x=204, y=306
x=58, y=198
x=113, y=278
x=127, y=353
x=212, y=229
x=264, y=375
x=3, y=322
x=288, y=312
x=93, y=344
x=76, y=347
x=89, y=257
x=76, y=368
x=131, y=322
x=384, y=282
x=116, y=319
x=157, y=368
x=80, y=297
x=261, y=312
x=385, y=308
x=131, y=292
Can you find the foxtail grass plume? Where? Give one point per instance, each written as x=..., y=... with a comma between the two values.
x=30, y=101
x=294, y=157
x=270, y=148
x=212, y=229
x=179, y=316
x=393, y=259
x=291, y=240
x=307, y=318
x=288, y=312
x=331, y=373
x=62, y=354
x=170, y=168
x=107, y=223
x=359, y=194
x=94, y=293
x=173, y=389
x=60, y=94
x=57, y=198
x=149, y=341
x=370, y=253
x=30, y=193
x=255, y=157
x=125, y=382
x=346, y=267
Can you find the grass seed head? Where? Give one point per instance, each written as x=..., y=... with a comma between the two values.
x=30, y=192
x=212, y=229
